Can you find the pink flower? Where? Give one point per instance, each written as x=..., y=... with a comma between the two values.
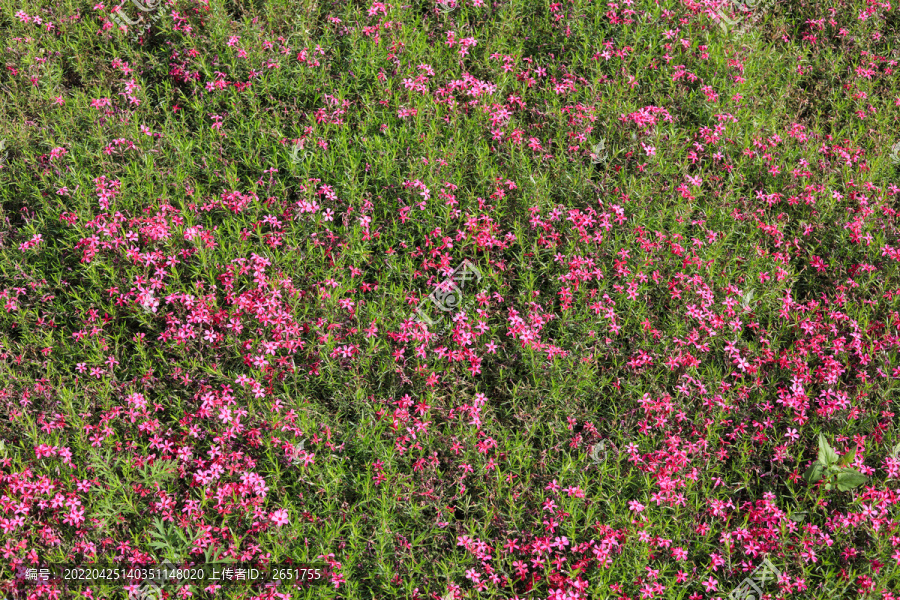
x=279, y=517
x=57, y=152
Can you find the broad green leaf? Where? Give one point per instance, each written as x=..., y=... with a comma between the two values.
x=814, y=472
x=827, y=455
x=847, y=458
x=847, y=480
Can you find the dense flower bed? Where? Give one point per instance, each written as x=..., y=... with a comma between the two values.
x=456, y=299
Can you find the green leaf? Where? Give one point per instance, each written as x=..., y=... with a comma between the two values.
x=214, y=555
x=814, y=472
x=160, y=532
x=847, y=480
x=847, y=458
x=827, y=455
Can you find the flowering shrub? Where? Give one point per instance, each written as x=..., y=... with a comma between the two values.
x=679, y=361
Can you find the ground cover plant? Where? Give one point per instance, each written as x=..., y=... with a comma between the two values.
x=459, y=299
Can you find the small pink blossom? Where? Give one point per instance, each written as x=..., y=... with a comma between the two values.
x=279, y=517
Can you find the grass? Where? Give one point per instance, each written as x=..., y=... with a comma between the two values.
x=215, y=234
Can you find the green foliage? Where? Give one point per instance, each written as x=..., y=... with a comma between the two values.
x=734, y=268
x=834, y=469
